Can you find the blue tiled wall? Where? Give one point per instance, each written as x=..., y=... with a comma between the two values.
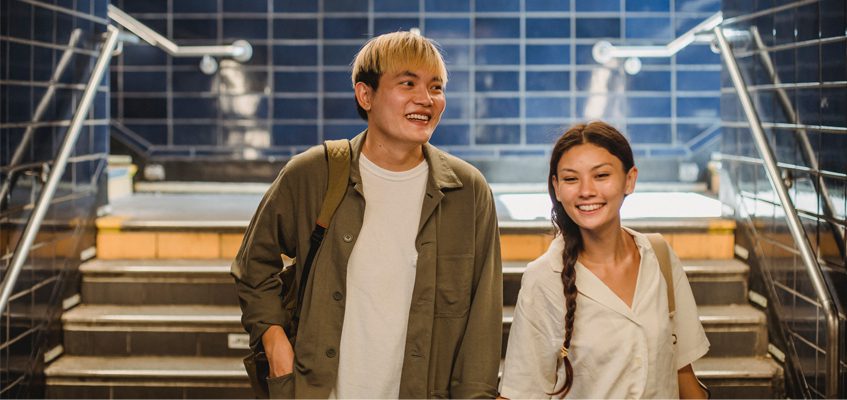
x=807, y=44
x=34, y=36
x=520, y=71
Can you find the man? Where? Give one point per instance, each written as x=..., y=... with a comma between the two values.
x=405, y=294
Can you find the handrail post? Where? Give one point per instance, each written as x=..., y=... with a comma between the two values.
x=46, y=195
x=794, y=225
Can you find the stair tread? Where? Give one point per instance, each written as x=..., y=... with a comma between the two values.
x=155, y=266
x=147, y=366
x=152, y=314
x=736, y=367
x=709, y=315
x=691, y=267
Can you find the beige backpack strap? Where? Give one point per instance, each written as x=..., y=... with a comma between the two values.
x=662, y=250
x=338, y=158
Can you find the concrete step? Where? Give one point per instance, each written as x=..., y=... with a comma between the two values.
x=733, y=330
x=150, y=282
x=714, y=282
x=147, y=377
x=133, y=330
x=741, y=377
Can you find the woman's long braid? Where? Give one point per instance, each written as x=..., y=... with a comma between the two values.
x=573, y=245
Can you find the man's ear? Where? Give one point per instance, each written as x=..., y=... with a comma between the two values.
x=364, y=95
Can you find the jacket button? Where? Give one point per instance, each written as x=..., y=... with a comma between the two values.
x=337, y=296
x=348, y=237
x=330, y=353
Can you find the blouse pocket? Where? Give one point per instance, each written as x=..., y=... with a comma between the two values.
x=453, y=285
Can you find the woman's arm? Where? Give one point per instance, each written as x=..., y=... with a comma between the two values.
x=689, y=386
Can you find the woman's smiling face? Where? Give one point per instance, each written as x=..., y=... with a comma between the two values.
x=591, y=184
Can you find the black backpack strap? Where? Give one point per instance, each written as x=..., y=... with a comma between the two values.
x=338, y=159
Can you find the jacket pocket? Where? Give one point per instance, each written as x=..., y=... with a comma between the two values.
x=281, y=387
x=453, y=285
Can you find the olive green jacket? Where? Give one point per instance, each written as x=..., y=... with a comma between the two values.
x=454, y=334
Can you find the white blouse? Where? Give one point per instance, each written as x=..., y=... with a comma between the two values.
x=616, y=351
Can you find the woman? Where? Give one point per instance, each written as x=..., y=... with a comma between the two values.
x=623, y=342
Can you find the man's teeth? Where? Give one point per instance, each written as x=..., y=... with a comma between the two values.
x=419, y=117
x=589, y=207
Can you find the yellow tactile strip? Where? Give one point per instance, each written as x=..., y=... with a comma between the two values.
x=116, y=244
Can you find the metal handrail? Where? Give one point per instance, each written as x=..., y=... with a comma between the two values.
x=49, y=190
x=40, y=109
x=240, y=50
x=794, y=224
x=800, y=133
x=604, y=51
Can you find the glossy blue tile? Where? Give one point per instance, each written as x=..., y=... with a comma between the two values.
x=296, y=28
x=543, y=107
x=598, y=5
x=146, y=81
x=298, y=82
x=834, y=107
x=548, y=80
x=697, y=5
x=698, y=107
x=497, y=134
x=543, y=133
x=783, y=23
x=651, y=81
x=345, y=28
x=807, y=25
x=498, y=54
x=294, y=134
x=648, y=5
x=42, y=64
x=147, y=108
x=497, y=28
x=295, y=6
x=497, y=5
x=458, y=82
x=194, y=29
x=443, y=28
x=598, y=27
x=42, y=25
x=340, y=54
x=195, y=6
x=487, y=81
x=395, y=6
x=19, y=66
x=667, y=152
x=698, y=80
x=649, y=28
x=497, y=107
x=340, y=108
x=346, y=5
x=195, y=107
x=599, y=107
x=195, y=135
x=387, y=25
x=539, y=54
x=649, y=133
x=155, y=134
x=832, y=20
x=547, y=5
x=548, y=28
x=237, y=6
x=296, y=108
x=343, y=131
x=458, y=108
x=686, y=132
x=337, y=81
x=645, y=107
x=834, y=62
x=235, y=29
x=600, y=80
x=459, y=54
x=451, y=135
x=447, y=5
x=295, y=55
x=145, y=6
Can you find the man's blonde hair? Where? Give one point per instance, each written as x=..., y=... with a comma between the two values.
x=391, y=52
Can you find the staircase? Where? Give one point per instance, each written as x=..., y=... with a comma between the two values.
x=159, y=317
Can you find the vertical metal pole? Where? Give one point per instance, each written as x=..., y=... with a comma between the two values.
x=794, y=225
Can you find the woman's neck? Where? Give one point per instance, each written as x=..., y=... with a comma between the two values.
x=609, y=246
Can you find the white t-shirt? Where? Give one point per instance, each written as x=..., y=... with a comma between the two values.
x=616, y=351
x=380, y=280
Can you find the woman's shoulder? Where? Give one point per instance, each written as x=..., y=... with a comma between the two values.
x=545, y=271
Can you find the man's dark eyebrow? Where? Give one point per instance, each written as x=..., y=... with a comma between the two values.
x=411, y=74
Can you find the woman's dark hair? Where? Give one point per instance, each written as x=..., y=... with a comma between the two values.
x=605, y=136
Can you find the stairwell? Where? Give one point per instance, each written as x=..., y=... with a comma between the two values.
x=158, y=316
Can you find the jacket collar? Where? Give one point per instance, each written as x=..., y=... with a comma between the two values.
x=440, y=172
